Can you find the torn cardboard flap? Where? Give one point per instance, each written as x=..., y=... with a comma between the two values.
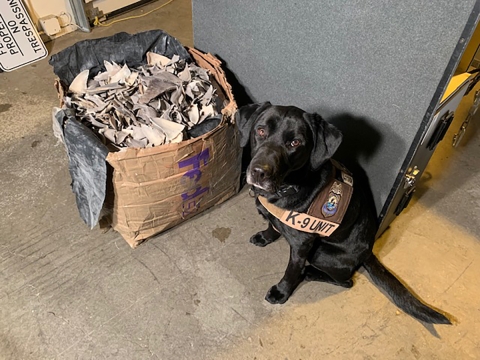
x=210, y=62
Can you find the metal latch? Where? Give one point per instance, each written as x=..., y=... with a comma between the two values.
x=441, y=130
x=411, y=178
x=461, y=132
x=409, y=186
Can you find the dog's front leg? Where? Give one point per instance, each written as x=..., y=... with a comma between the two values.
x=278, y=294
x=265, y=237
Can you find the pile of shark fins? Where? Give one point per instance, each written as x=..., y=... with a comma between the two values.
x=161, y=102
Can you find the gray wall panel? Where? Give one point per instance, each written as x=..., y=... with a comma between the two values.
x=378, y=61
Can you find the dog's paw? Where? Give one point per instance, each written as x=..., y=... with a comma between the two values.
x=276, y=296
x=259, y=240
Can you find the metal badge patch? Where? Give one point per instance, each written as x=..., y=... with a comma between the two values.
x=347, y=179
x=331, y=205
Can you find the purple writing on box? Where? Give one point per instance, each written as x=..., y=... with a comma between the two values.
x=194, y=191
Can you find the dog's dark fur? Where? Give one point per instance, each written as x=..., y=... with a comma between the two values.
x=290, y=151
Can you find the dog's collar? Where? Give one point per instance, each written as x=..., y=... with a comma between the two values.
x=283, y=191
x=326, y=211
x=287, y=190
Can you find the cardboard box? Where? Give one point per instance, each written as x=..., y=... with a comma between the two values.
x=157, y=188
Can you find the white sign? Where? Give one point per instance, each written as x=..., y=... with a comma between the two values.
x=20, y=43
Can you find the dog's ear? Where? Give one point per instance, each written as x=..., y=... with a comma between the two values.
x=245, y=118
x=326, y=139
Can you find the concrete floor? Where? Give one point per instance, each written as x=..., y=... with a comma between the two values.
x=70, y=293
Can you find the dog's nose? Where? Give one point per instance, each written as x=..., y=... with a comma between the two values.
x=259, y=174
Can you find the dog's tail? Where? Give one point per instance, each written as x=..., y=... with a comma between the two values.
x=400, y=295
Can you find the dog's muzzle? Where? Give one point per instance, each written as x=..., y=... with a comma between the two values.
x=265, y=169
x=260, y=177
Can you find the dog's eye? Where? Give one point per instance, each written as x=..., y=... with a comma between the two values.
x=261, y=132
x=294, y=143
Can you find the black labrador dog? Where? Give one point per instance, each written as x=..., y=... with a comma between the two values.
x=290, y=164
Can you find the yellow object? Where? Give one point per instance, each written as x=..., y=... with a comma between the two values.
x=97, y=22
x=456, y=82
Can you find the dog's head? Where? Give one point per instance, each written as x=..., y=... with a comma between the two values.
x=284, y=139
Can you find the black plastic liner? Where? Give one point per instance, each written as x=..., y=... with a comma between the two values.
x=121, y=48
